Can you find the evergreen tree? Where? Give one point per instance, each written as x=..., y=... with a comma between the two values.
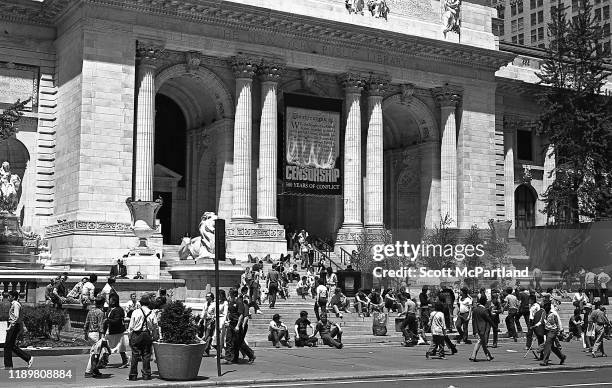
x=576, y=118
x=9, y=117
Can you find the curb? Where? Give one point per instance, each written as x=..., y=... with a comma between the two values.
x=383, y=375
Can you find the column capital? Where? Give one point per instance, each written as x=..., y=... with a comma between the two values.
x=147, y=53
x=270, y=71
x=352, y=82
x=378, y=85
x=244, y=67
x=448, y=95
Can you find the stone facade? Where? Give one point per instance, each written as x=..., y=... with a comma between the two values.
x=427, y=119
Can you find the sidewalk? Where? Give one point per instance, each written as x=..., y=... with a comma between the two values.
x=323, y=363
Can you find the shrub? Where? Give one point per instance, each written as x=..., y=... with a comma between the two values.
x=40, y=320
x=177, y=324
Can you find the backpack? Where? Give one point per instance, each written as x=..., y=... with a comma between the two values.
x=142, y=337
x=379, y=323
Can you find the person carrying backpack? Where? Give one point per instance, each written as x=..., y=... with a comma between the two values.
x=142, y=331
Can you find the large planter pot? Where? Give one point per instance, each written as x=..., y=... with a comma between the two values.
x=177, y=361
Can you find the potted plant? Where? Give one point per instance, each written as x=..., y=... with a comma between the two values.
x=179, y=351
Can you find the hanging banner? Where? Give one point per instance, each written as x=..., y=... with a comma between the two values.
x=311, y=163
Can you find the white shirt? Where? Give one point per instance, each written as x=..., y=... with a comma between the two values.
x=464, y=305
x=209, y=310
x=589, y=278
x=322, y=291
x=603, y=279
x=279, y=326
x=533, y=309
x=137, y=321
x=222, y=313
x=106, y=292
x=87, y=292
x=578, y=297
x=15, y=313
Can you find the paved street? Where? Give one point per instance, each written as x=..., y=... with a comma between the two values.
x=362, y=363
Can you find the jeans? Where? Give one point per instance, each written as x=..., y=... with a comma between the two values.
x=209, y=330
x=552, y=344
x=234, y=343
x=328, y=339
x=510, y=323
x=462, y=326
x=410, y=329
x=277, y=336
x=437, y=344
x=483, y=338
x=272, y=290
x=10, y=347
x=522, y=314
x=305, y=340
x=599, y=337
x=322, y=305
x=425, y=319
x=142, y=353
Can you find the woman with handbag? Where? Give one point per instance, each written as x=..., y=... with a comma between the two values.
x=116, y=330
x=142, y=332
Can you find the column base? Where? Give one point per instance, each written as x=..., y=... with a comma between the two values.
x=242, y=220
x=348, y=238
x=258, y=240
x=268, y=221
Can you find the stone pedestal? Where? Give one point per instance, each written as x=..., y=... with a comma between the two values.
x=200, y=277
x=147, y=265
x=255, y=239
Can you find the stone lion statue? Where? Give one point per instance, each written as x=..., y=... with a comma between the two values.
x=203, y=246
x=9, y=187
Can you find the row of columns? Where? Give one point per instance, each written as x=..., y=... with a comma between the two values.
x=245, y=69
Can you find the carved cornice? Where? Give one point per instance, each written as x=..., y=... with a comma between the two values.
x=351, y=82
x=44, y=13
x=378, y=85
x=192, y=60
x=514, y=122
x=244, y=67
x=270, y=71
x=88, y=227
x=447, y=95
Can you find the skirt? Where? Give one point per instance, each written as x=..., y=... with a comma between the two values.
x=118, y=343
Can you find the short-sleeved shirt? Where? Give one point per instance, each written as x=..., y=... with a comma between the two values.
x=322, y=292
x=234, y=310
x=302, y=324
x=274, y=277
x=464, y=305
x=410, y=306
x=512, y=302
x=324, y=328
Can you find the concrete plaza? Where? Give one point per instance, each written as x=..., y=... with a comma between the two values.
x=284, y=366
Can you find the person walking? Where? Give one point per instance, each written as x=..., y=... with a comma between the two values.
x=465, y=312
x=602, y=280
x=438, y=331
x=15, y=326
x=424, y=303
x=600, y=322
x=272, y=285
x=113, y=325
x=322, y=295
x=552, y=326
x=207, y=322
x=410, y=325
x=142, y=332
x=495, y=309
x=511, y=305
x=481, y=323
x=236, y=313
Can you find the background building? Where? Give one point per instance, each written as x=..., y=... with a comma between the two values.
x=525, y=22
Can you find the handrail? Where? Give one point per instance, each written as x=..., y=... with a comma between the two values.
x=343, y=256
x=319, y=254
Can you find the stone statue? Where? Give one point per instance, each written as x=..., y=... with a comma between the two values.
x=9, y=187
x=451, y=12
x=355, y=6
x=202, y=247
x=378, y=8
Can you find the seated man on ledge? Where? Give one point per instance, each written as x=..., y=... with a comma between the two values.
x=119, y=271
x=339, y=302
x=328, y=331
x=301, y=332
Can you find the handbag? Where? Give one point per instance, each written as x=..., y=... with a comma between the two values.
x=379, y=324
x=142, y=337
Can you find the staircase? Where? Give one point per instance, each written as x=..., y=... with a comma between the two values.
x=170, y=257
x=14, y=257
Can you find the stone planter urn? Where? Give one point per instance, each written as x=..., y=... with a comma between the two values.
x=143, y=222
x=500, y=229
x=178, y=361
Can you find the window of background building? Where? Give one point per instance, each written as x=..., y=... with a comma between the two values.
x=524, y=146
x=607, y=47
x=534, y=36
x=540, y=3
x=532, y=4
x=542, y=45
x=606, y=12
x=520, y=24
x=520, y=6
x=513, y=9
x=514, y=40
x=540, y=33
x=521, y=39
x=606, y=29
x=597, y=1
x=541, y=17
x=597, y=14
x=534, y=19
x=513, y=26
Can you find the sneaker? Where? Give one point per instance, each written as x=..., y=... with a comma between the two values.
x=30, y=362
x=427, y=355
x=340, y=346
x=132, y=378
x=441, y=358
x=277, y=346
x=146, y=377
x=562, y=360
x=124, y=365
x=252, y=360
x=258, y=312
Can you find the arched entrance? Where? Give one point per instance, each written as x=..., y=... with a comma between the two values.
x=525, y=198
x=410, y=144
x=193, y=111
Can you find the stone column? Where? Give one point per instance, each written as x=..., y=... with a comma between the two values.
x=353, y=85
x=244, y=70
x=509, y=176
x=142, y=186
x=269, y=74
x=447, y=98
x=374, y=155
x=549, y=174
